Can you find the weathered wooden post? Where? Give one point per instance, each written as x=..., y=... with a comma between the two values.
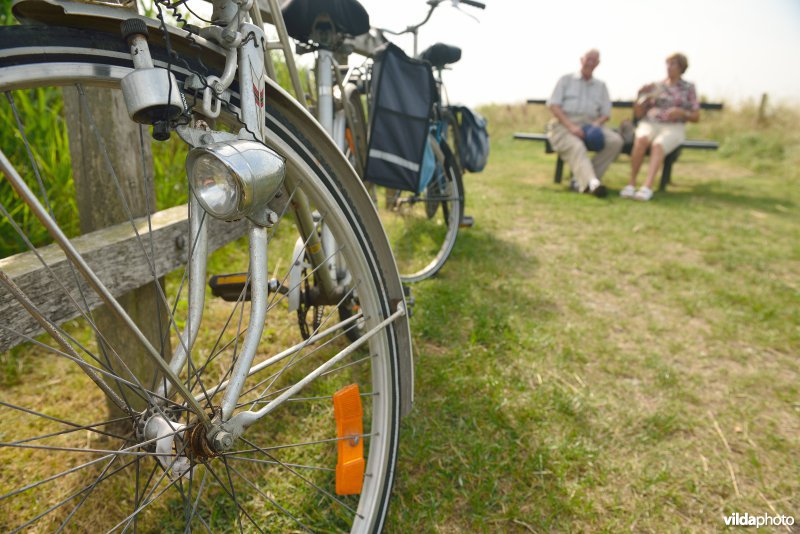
x=762, y=110
x=103, y=143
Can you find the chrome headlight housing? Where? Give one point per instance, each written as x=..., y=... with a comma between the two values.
x=234, y=179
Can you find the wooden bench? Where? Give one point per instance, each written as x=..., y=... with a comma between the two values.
x=669, y=159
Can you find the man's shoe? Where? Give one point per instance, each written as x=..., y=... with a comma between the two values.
x=628, y=191
x=597, y=188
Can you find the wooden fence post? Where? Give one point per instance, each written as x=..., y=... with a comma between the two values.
x=762, y=110
x=120, y=144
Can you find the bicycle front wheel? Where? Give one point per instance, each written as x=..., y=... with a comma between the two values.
x=67, y=463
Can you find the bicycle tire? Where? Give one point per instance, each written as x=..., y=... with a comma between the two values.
x=452, y=135
x=453, y=139
x=270, y=496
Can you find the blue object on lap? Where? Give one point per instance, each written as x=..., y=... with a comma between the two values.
x=593, y=138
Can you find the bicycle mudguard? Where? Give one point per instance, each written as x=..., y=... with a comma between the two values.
x=105, y=18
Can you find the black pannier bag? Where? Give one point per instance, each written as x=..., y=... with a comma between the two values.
x=403, y=92
x=473, y=148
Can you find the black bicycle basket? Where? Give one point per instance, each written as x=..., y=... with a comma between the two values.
x=403, y=92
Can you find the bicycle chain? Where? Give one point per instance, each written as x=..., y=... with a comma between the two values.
x=304, y=307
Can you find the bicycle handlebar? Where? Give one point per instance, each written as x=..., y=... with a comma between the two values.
x=434, y=4
x=479, y=5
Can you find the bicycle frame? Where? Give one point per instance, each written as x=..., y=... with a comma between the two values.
x=333, y=123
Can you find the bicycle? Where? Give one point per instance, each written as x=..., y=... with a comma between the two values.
x=422, y=235
x=231, y=423
x=446, y=189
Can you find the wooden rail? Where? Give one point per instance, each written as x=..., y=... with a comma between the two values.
x=109, y=253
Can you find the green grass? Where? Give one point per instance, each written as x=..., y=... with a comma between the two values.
x=576, y=356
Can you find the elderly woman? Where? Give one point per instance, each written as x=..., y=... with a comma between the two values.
x=664, y=109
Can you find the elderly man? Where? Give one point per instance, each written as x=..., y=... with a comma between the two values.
x=580, y=107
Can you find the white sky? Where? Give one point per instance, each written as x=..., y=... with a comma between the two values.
x=737, y=49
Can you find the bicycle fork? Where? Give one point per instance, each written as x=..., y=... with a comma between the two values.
x=252, y=175
x=258, y=174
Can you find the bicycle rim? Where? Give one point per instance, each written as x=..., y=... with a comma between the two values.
x=68, y=465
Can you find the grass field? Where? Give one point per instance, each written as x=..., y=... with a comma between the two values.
x=587, y=365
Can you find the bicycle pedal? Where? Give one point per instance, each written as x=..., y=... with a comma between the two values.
x=229, y=287
x=467, y=221
x=349, y=415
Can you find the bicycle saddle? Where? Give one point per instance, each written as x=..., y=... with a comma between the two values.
x=441, y=54
x=349, y=16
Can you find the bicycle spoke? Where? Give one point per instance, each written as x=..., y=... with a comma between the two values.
x=292, y=350
x=53, y=477
x=270, y=499
x=284, y=389
x=68, y=499
x=141, y=507
x=88, y=492
x=77, y=427
x=270, y=462
x=326, y=373
x=42, y=189
x=313, y=375
x=325, y=397
x=102, y=291
x=123, y=198
x=297, y=357
x=101, y=339
x=193, y=513
x=150, y=395
x=303, y=444
x=233, y=493
x=294, y=357
x=236, y=502
x=304, y=479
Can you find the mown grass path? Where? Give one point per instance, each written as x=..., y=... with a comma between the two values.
x=587, y=365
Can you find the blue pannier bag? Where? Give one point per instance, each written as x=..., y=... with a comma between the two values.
x=403, y=93
x=428, y=167
x=473, y=148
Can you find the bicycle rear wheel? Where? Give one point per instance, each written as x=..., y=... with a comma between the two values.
x=423, y=227
x=67, y=464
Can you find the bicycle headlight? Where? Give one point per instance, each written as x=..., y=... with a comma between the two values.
x=234, y=179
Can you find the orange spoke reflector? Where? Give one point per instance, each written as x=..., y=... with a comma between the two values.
x=349, y=429
x=349, y=136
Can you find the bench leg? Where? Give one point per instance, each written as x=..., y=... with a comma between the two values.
x=666, y=173
x=559, y=170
